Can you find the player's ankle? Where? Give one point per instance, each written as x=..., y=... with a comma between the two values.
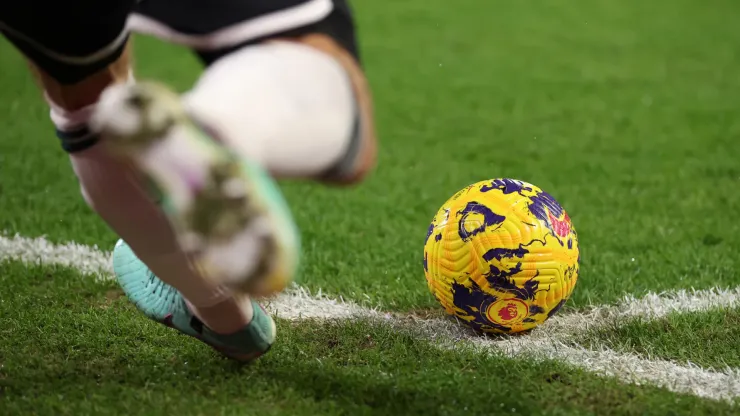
x=227, y=317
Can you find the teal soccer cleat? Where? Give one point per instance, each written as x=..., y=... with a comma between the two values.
x=227, y=212
x=164, y=304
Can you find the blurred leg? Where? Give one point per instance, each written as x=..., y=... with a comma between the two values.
x=74, y=59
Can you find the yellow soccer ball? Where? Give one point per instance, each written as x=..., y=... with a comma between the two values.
x=501, y=255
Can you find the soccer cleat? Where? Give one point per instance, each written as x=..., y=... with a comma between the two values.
x=164, y=304
x=226, y=211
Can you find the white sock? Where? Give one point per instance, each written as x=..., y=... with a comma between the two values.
x=284, y=105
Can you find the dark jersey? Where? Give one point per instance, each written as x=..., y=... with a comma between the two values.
x=73, y=39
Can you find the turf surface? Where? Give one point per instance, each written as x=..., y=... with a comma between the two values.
x=707, y=339
x=89, y=351
x=626, y=112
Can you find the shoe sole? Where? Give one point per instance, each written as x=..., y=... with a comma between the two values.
x=226, y=352
x=227, y=213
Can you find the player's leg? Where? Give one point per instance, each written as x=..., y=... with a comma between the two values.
x=299, y=105
x=283, y=85
x=293, y=101
x=74, y=60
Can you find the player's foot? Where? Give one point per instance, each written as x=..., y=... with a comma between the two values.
x=164, y=304
x=227, y=212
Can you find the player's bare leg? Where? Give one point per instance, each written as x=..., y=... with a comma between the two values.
x=116, y=191
x=226, y=213
x=297, y=106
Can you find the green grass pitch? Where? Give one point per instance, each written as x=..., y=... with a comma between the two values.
x=626, y=111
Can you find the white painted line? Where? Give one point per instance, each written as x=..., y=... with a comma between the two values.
x=545, y=342
x=89, y=260
x=627, y=367
x=631, y=368
x=296, y=303
x=651, y=306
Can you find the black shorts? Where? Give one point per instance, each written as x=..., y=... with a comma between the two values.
x=72, y=39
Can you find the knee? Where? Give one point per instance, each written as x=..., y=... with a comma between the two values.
x=365, y=155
